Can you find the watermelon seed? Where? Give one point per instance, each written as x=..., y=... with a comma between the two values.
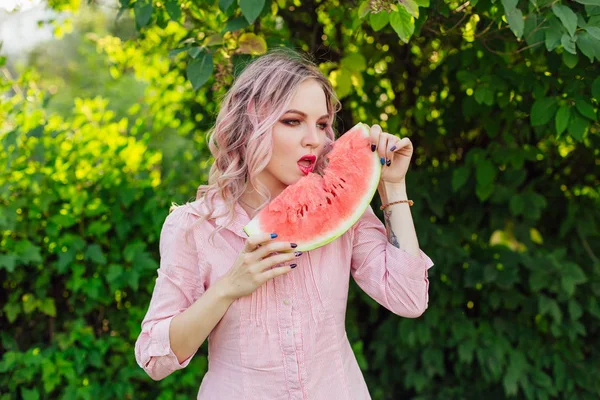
x=328, y=200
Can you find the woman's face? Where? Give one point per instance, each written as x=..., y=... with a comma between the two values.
x=300, y=132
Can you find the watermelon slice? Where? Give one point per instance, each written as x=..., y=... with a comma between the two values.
x=318, y=209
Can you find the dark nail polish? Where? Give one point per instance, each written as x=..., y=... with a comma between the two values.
x=382, y=161
x=294, y=245
x=393, y=148
x=298, y=253
x=388, y=162
x=293, y=265
x=273, y=235
x=373, y=147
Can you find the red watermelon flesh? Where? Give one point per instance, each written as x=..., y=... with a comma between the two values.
x=318, y=209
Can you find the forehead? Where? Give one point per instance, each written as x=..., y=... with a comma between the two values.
x=310, y=98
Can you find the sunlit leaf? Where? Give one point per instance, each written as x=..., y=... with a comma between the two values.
x=411, y=7
x=379, y=21
x=403, y=23
x=250, y=43
x=577, y=126
x=235, y=24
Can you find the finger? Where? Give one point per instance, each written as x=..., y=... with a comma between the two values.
x=276, y=259
x=401, y=148
x=273, y=247
x=254, y=241
x=383, y=147
x=275, y=272
x=376, y=134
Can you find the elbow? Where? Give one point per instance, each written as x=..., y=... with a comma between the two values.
x=415, y=312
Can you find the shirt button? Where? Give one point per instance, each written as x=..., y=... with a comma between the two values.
x=286, y=302
x=288, y=332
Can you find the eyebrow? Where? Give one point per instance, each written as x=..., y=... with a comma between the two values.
x=304, y=114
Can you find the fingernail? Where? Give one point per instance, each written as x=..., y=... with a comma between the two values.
x=273, y=235
x=388, y=162
x=298, y=253
x=293, y=265
x=373, y=147
x=382, y=161
x=393, y=148
x=294, y=245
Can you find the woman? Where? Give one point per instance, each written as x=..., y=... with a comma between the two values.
x=274, y=317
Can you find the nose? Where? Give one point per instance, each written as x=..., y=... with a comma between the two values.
x=312, y=137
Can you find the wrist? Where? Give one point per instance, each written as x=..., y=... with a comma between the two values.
x=392, y=191
x=223, y=290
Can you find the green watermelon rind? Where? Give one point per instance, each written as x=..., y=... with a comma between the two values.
x=253, y=227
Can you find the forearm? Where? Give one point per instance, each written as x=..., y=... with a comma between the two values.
x=398, y=218
x=190, y=329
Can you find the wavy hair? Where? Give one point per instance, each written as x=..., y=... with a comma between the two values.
x=241, y=138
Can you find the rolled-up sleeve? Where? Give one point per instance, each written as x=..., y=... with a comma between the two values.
x=394, y=278
x=179, y=283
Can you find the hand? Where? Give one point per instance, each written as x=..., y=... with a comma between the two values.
x=396, y=161
x=253, y=265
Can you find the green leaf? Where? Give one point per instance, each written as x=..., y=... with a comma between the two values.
x=596, y=89
x=342, y=82
x=225, y=4
x=553, y=34
x=411, y=7
x=585, y=108
x=568, y=43
x=515, y=20
x=235, y=24
x=571, y=276
x=200, y=69
x=94, y=253
x=577, y=126
x=48, y=307
x=354, y=62
x=517, y=204
x=594, y=31
x=459, y=177
x=364, y=9
x=575, y=310
x=251, y=9
x=143, y=12
x=562, y=119
x=569, y=59
x=485, y=172
x=30, y=394
x=484, y=95
x=403, y=23
x=379, y=21
x=173, y=9
x=549, y=306
x=7, y=261
x=422, y=3
x=542, y=111
x=13, y=310
x=589, y=2
x=567, y=17
x=517, y=368
x=589, y=46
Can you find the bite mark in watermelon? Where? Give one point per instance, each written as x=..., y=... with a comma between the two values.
x=318, y=209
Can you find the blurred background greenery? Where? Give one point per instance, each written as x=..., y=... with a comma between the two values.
x=103, y=126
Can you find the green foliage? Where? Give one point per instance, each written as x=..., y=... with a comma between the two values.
x=500, y=100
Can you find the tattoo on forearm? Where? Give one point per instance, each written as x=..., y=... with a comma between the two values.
x=387, y=214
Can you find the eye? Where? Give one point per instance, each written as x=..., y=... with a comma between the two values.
x=323, y=126
x=290, y=122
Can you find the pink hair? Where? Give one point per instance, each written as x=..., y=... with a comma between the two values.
x=241, y=142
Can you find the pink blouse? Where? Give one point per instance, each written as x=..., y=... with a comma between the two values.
x=287, y=340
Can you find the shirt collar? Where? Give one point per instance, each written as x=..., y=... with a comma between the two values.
x=240, y=218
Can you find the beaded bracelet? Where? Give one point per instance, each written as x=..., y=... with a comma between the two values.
x=410, y=203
